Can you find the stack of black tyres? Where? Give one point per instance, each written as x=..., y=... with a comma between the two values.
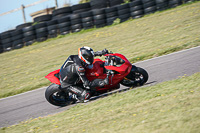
x=136, y=9
x=76, y=23
x=174, y=3
x=187, y=1
x=64, y=25
x=99, y=17
x=41, y=32
x=79, y=8
x=21, y=26
x=61, y=12
x=149, y=6
x=1, y=47
x=111, y=15
x=29, y=35
x=123, y=12
x=87, y=20
x=43, y=18
x=17, y=39
x=115, y=2
x=6, y=40
x=162, y=5
x=98, y=4
x=52, y=28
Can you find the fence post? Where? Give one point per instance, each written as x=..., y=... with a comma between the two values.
x=23, y=12
x=56, y=2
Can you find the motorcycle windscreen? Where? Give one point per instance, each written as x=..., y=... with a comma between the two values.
x=51, y=77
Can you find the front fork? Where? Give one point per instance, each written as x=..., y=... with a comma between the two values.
x=129, y=76
x=110, y=73
x=133, y=68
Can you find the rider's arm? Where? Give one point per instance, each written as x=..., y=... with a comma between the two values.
x=100, y=53
x=86, y=83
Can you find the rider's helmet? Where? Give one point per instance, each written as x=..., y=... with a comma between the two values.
x=86, y=54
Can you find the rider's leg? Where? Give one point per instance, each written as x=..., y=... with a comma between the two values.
x=79, y=93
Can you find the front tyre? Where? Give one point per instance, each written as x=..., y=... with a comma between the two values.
x=137, y=77
x=56, y=96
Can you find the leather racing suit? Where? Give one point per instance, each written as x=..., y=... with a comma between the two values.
x=72, y=71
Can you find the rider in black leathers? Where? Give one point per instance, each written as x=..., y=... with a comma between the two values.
x=73, y=70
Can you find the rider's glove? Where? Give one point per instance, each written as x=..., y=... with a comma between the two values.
x=105, y=51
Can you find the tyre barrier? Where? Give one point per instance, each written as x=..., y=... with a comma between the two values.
x=18, y=27
x=64, y=25
x=188, y=1
x=97, y=13
x=1, y=46
x=98, y=4
x=123, y=12
x=61, y=12
x=115, y=2
x=174, y=3
x=76, y=23
x=52, y=28
x=29, y=35
x=136, y=9
x=149, y=6
x=17, y=39
x=87, y=20
x=6, y=40
x=79, y=8
x=99, y=17
x=41, y=32
x=43, y=18
x=162, y=5
x=111, y=15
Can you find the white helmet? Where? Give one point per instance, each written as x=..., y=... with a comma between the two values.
x=86, y=54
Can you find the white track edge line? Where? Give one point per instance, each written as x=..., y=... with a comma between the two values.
x=168, y=54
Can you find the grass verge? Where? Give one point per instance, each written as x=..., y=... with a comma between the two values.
x=153, y=35
x=172, y=106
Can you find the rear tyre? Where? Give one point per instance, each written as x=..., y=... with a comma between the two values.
x=56, y=96
x=137, y=77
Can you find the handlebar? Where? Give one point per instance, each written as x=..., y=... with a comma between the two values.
x=112, y=60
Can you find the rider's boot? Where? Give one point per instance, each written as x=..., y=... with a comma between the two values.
x=79, y=94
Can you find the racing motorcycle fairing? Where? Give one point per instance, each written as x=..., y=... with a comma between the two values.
x=52, y=76
x=98, y=71
x=125, y=66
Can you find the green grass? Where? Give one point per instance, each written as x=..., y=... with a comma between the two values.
x=172, y=106
x=153, y=35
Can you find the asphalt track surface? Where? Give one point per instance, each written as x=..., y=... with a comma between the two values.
x=32, y=104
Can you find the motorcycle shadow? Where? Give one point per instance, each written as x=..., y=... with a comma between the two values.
x=120, y=90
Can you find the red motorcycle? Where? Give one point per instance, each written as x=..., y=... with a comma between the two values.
x=121, y=71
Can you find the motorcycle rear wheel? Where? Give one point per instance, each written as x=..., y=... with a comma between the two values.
x=56, y=96
x=136, y=77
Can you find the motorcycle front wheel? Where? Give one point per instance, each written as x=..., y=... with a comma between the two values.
x=56, y=96
x=137, y=77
